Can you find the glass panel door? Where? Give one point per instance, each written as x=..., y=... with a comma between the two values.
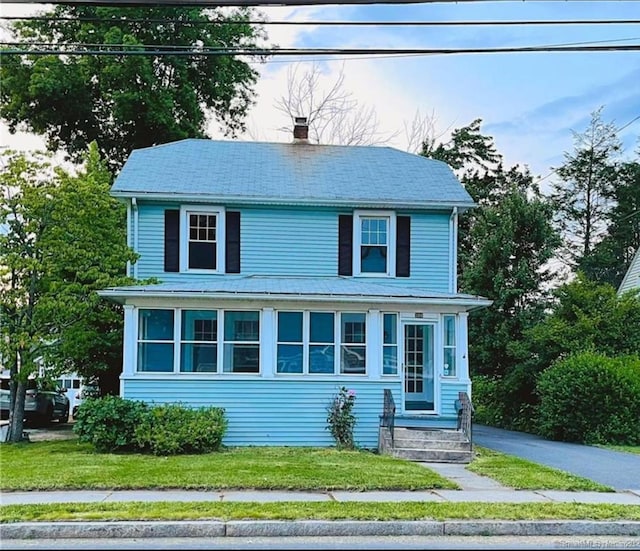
x=418, y=367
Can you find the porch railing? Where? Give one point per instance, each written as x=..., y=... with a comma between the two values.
x=465, y=415
x=388, y=413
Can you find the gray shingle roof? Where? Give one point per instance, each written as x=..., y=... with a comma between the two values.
x=272, y=287
x=290, y=173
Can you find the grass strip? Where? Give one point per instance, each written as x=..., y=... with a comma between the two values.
x=383, y=511
x=69, y=465
x=521, y=474
x=628, y=449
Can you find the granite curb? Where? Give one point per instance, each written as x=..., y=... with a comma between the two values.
x=195, y=529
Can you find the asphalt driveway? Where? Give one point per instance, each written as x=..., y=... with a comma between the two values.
x=619, y=470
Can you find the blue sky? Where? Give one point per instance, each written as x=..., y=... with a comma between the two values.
x=529, y=102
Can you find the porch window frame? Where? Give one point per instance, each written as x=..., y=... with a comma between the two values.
x=385, y=345
x=453, y=347
x=341, y=344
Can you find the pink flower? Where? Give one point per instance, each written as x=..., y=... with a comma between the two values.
x=352, y=393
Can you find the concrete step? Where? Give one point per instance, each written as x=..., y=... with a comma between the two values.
x=421, y=443
x=429, y=434
x=434, y=456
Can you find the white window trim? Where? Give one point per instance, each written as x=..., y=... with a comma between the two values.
x=357, y=242
x=340, y=344
x=219, y=212
x=177, y=343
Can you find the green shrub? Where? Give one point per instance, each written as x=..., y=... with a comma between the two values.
x=109, y=423
x=591, y=398
x=174, y=429
x=486, y=400
x=341, y=421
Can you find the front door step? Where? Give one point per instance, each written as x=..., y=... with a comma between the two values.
x=433, y=445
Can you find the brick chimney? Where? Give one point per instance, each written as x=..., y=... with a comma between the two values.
x=301, y=130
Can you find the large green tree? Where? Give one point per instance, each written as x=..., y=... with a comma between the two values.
x=128, y=102
x=583, y=194
x=63, y=239
x=610, y=259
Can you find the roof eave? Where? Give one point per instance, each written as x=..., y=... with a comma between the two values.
x=243, y=199
x=120, y=296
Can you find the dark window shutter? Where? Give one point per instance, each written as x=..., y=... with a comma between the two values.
x=232, y=243
x=403, y=246
x=171, y=240
x=345, y=244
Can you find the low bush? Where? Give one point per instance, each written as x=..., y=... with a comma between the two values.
x=174, y=429
x=341, y=421
x=109, y=423
x=591, y=398
x=116, y=424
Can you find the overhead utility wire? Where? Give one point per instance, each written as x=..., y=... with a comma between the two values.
x=329, y=23
x=218, y=3
x=206, y=52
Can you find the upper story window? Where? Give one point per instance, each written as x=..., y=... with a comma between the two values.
x=202, y=239
x=201, y=247
x=374, y=243
x=202, y=243
x=374, y=251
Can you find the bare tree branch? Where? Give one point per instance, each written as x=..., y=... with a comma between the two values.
x=333, y=114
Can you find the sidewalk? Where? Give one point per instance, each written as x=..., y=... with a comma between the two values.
x=474, y=488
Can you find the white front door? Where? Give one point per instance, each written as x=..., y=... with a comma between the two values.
x=419, y=386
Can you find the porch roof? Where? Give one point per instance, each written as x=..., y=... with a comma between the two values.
x=314, y=289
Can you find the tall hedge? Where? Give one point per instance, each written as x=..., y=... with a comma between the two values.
x=591, y=398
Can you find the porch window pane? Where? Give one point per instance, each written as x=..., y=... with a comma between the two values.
x=449, y=339
x=200, y=358
x=155, y=341
x=390, y=360
x=353, y=338
x=289, y=358
x=241, y=358
x=322, y=358
x=241, y=326
x=289, y=326
x=321, y=327
x=352, y=360
x=155, y=325
x=241, y=347
x=390, y=341
x=155, y=357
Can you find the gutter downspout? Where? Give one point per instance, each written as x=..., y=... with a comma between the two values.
x=134, y=206
x=453, y=244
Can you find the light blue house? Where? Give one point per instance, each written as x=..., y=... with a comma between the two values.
x=288, y=270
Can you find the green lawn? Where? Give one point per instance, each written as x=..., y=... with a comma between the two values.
x=316, y=511
x=525, y=475
x=65, y=465
x=629, y=449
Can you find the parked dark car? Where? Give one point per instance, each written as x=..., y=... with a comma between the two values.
x=43, y=402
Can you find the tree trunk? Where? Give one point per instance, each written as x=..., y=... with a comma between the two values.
x=16, y=413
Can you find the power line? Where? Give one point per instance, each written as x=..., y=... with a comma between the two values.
x=303, y=52
x=218, y=3
x=325, y=23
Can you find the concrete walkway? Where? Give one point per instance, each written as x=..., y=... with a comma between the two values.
x=618, y=470
x=506, y=495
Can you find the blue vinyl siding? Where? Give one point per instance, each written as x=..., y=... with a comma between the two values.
x=303, y=242
x=271, y=411
x=448, y=396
